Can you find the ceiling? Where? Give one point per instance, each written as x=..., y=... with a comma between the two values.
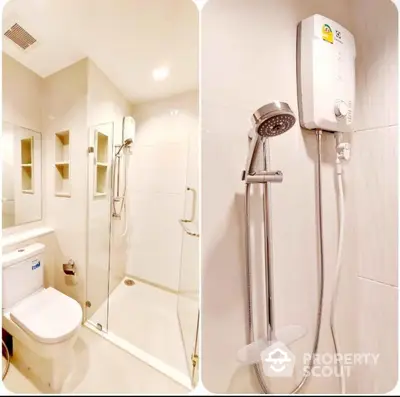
x=126, y=39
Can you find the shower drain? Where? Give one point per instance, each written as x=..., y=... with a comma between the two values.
x=129, y=282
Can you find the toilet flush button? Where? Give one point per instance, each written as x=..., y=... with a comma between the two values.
x=341, y=109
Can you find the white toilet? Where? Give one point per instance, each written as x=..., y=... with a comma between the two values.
x=42, y=321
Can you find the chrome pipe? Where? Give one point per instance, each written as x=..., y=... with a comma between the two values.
x=250, y=330
x=118, y=170
x=268, y=248
x=115, y=185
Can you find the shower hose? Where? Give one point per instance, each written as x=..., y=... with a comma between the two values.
x=250, y=315
x=338, y=270
x=5, y=372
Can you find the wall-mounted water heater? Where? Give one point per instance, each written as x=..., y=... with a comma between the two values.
x=325, y=74
x=128, y=128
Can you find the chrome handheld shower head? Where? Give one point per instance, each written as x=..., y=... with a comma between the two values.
x=126, y=143
x=270, y=120
x=273, y=119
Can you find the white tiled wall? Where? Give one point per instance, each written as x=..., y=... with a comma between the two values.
x=373, y=171
x=375, y=26
x=249, y=59
x=78, y=98
x=373, y=187
x=65, y=108
x=377, y=333
x=157, y=175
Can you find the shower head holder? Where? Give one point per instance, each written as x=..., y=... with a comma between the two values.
x=264, y=177
x=269, y=121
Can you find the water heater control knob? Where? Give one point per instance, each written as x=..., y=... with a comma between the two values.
x=341, y=109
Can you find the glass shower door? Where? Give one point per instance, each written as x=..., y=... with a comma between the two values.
x=100, y=162
x=188, y=298
x=188, y=302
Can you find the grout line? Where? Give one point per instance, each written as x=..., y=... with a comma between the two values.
x=157, y=192
x=152, y=284
x=377, y=127
x=377, y=282
x=157, y=144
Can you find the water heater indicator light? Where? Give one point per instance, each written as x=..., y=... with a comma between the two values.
x=341, y=109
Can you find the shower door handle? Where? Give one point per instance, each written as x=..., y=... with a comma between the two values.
x=191, y=232
x=194, y=199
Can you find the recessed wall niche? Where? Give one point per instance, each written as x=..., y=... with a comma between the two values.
x=101, y=166
x=62, y=164
x=27, y=165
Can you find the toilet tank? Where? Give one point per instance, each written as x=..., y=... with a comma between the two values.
x=22, y=273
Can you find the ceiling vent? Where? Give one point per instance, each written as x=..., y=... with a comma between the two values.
x=20, y=36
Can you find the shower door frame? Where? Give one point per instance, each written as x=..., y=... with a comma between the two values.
x=92, y=130
x=187, y=232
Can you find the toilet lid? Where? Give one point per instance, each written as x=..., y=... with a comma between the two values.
x=48, y=316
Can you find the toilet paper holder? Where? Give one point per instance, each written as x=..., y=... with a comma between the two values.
x=69, y=268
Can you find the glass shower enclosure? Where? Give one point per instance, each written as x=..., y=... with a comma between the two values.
x=156, y=324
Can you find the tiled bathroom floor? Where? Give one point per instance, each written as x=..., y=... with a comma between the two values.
x=146, y=317
x=101, y=368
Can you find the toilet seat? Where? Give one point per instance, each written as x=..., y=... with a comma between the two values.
x=48, y=316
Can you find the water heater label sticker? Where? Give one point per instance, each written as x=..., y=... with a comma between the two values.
x=35, y=264
x=338, y=36
x=327, y=33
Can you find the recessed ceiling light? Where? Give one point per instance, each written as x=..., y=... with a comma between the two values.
x=160, y=74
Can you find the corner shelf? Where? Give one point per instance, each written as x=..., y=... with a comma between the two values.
x=101, y=165
x=62, y=165
x=27, y=165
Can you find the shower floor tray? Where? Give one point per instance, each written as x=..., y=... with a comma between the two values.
x=143, y=320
